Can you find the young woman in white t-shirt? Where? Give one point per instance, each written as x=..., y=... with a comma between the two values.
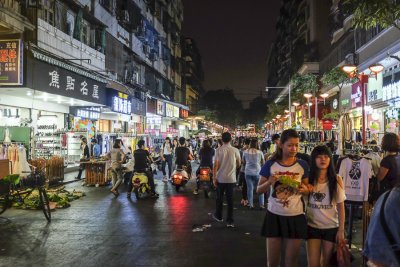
x=325, y=208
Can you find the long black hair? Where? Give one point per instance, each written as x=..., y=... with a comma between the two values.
x=286, y=135
x=332, y=176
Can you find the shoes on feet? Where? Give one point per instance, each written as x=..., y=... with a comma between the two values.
x=164, y=178
x=128, y=195
x=262, y=207
x=245, y=202
x=230, y=225
x=215, y=218
x=114, y=192
x=196, y=192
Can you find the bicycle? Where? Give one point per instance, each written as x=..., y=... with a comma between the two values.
x=17, y=193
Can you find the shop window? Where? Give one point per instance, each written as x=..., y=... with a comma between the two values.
x=64, y=18
x=70, y=23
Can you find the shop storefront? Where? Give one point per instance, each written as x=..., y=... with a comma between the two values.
x=391, y=96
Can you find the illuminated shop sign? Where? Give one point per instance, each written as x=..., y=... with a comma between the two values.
x=169, y=110
x=11, y=62
x=160, y=108
x=92, y=113
x=121, y=103
x=183, y=113
x=156, y=120
x=356, y=95
x=391, y=91
x=176, y=112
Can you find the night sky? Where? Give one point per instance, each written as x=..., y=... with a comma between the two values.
x=233, y=38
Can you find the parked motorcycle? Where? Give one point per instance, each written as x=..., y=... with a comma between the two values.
x=141, y=186
x=205, y=179
x=180, y=177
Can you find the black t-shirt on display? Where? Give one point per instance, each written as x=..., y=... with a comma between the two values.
x=206, y=156
x=182, y=155
x=392, y=163
x=141, y=159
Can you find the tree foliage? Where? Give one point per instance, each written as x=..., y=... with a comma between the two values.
x=256, y=111
x=209, y=115
x=303, y=83
x=336, y=77
x=371, y=13
x=228, y=108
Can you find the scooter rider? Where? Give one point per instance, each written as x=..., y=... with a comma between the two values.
x=142, y=160
x=183, y=156
x=206, y=155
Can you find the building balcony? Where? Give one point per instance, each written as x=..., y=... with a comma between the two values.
x=63, y=45
x=11, y=20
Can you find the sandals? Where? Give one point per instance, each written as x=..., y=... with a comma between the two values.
x=244, y=202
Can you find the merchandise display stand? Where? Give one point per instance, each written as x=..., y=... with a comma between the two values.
x=96, y=172
x=54, y=168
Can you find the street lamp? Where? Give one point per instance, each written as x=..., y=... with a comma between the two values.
x=290, y=104
x=308, y=96
x=351, y=70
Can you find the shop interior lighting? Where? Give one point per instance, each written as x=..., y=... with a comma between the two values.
x=307, y=95
x=29, y=93
x=45, y=96
x=349, y=68
x=71, y=102
x=58, y=99
x=376, y=68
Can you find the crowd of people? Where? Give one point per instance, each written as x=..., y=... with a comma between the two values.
x=304, y=194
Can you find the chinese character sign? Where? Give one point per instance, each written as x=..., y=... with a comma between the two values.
x=11, y=59
x=121, y=105
x=169, y=110
x=184, y=113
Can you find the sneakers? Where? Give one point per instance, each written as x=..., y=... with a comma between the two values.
x=262, y=207
x=196, y=192
x=165, y=178
x=215, y=218
x=128, y=195
x=230, y=225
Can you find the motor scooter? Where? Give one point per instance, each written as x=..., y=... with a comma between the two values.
x=204, y=177
x=180, y=177
x=141, y=186
x=157, y=162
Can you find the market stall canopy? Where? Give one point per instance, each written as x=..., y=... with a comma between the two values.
x=207, y=132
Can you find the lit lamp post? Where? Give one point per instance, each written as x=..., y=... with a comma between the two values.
x=352, y=71
x=308, y=96
x=289, y=89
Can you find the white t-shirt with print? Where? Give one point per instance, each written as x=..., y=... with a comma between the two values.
x=321, y=212
x=285, y=200
x=356, y=175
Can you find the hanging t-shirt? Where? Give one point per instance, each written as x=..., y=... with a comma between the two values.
x=321, y=211
x=356, y=175
x=392, y=163
x=284, y=199
x=253, y=159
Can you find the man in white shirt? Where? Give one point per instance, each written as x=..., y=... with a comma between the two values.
x=227, y=160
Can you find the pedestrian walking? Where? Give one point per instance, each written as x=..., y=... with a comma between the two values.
x=325, y=209
x=166, y=157
x=117, y=156
x=227, y=160
x=242, y=179
x=389, y=172
x=254, y=159
x=85, y=157
x=285, y=223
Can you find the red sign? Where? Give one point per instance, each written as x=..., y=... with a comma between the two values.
x=11, y=58
x=183, y=113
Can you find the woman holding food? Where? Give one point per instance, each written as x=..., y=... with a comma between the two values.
x=285, y=223
x=325, y=208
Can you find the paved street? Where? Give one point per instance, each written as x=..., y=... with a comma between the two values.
x=101, y=230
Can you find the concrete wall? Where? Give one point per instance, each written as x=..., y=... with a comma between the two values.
x=61, y=44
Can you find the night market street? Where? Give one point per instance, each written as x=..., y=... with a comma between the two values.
x=101, y=230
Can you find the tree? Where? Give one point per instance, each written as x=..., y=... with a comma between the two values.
x=303, y=83
x=229, y=109
x=371, y=13
x=209, y=115
x=336, y=77
x=256, y=111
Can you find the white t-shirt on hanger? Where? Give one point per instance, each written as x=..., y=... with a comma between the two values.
x=356, y=175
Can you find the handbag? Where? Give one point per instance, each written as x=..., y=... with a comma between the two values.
x=388, y=233
x=341, y=257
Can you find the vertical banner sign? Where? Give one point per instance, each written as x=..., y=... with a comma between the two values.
x=11, y=60
x=121, y=103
